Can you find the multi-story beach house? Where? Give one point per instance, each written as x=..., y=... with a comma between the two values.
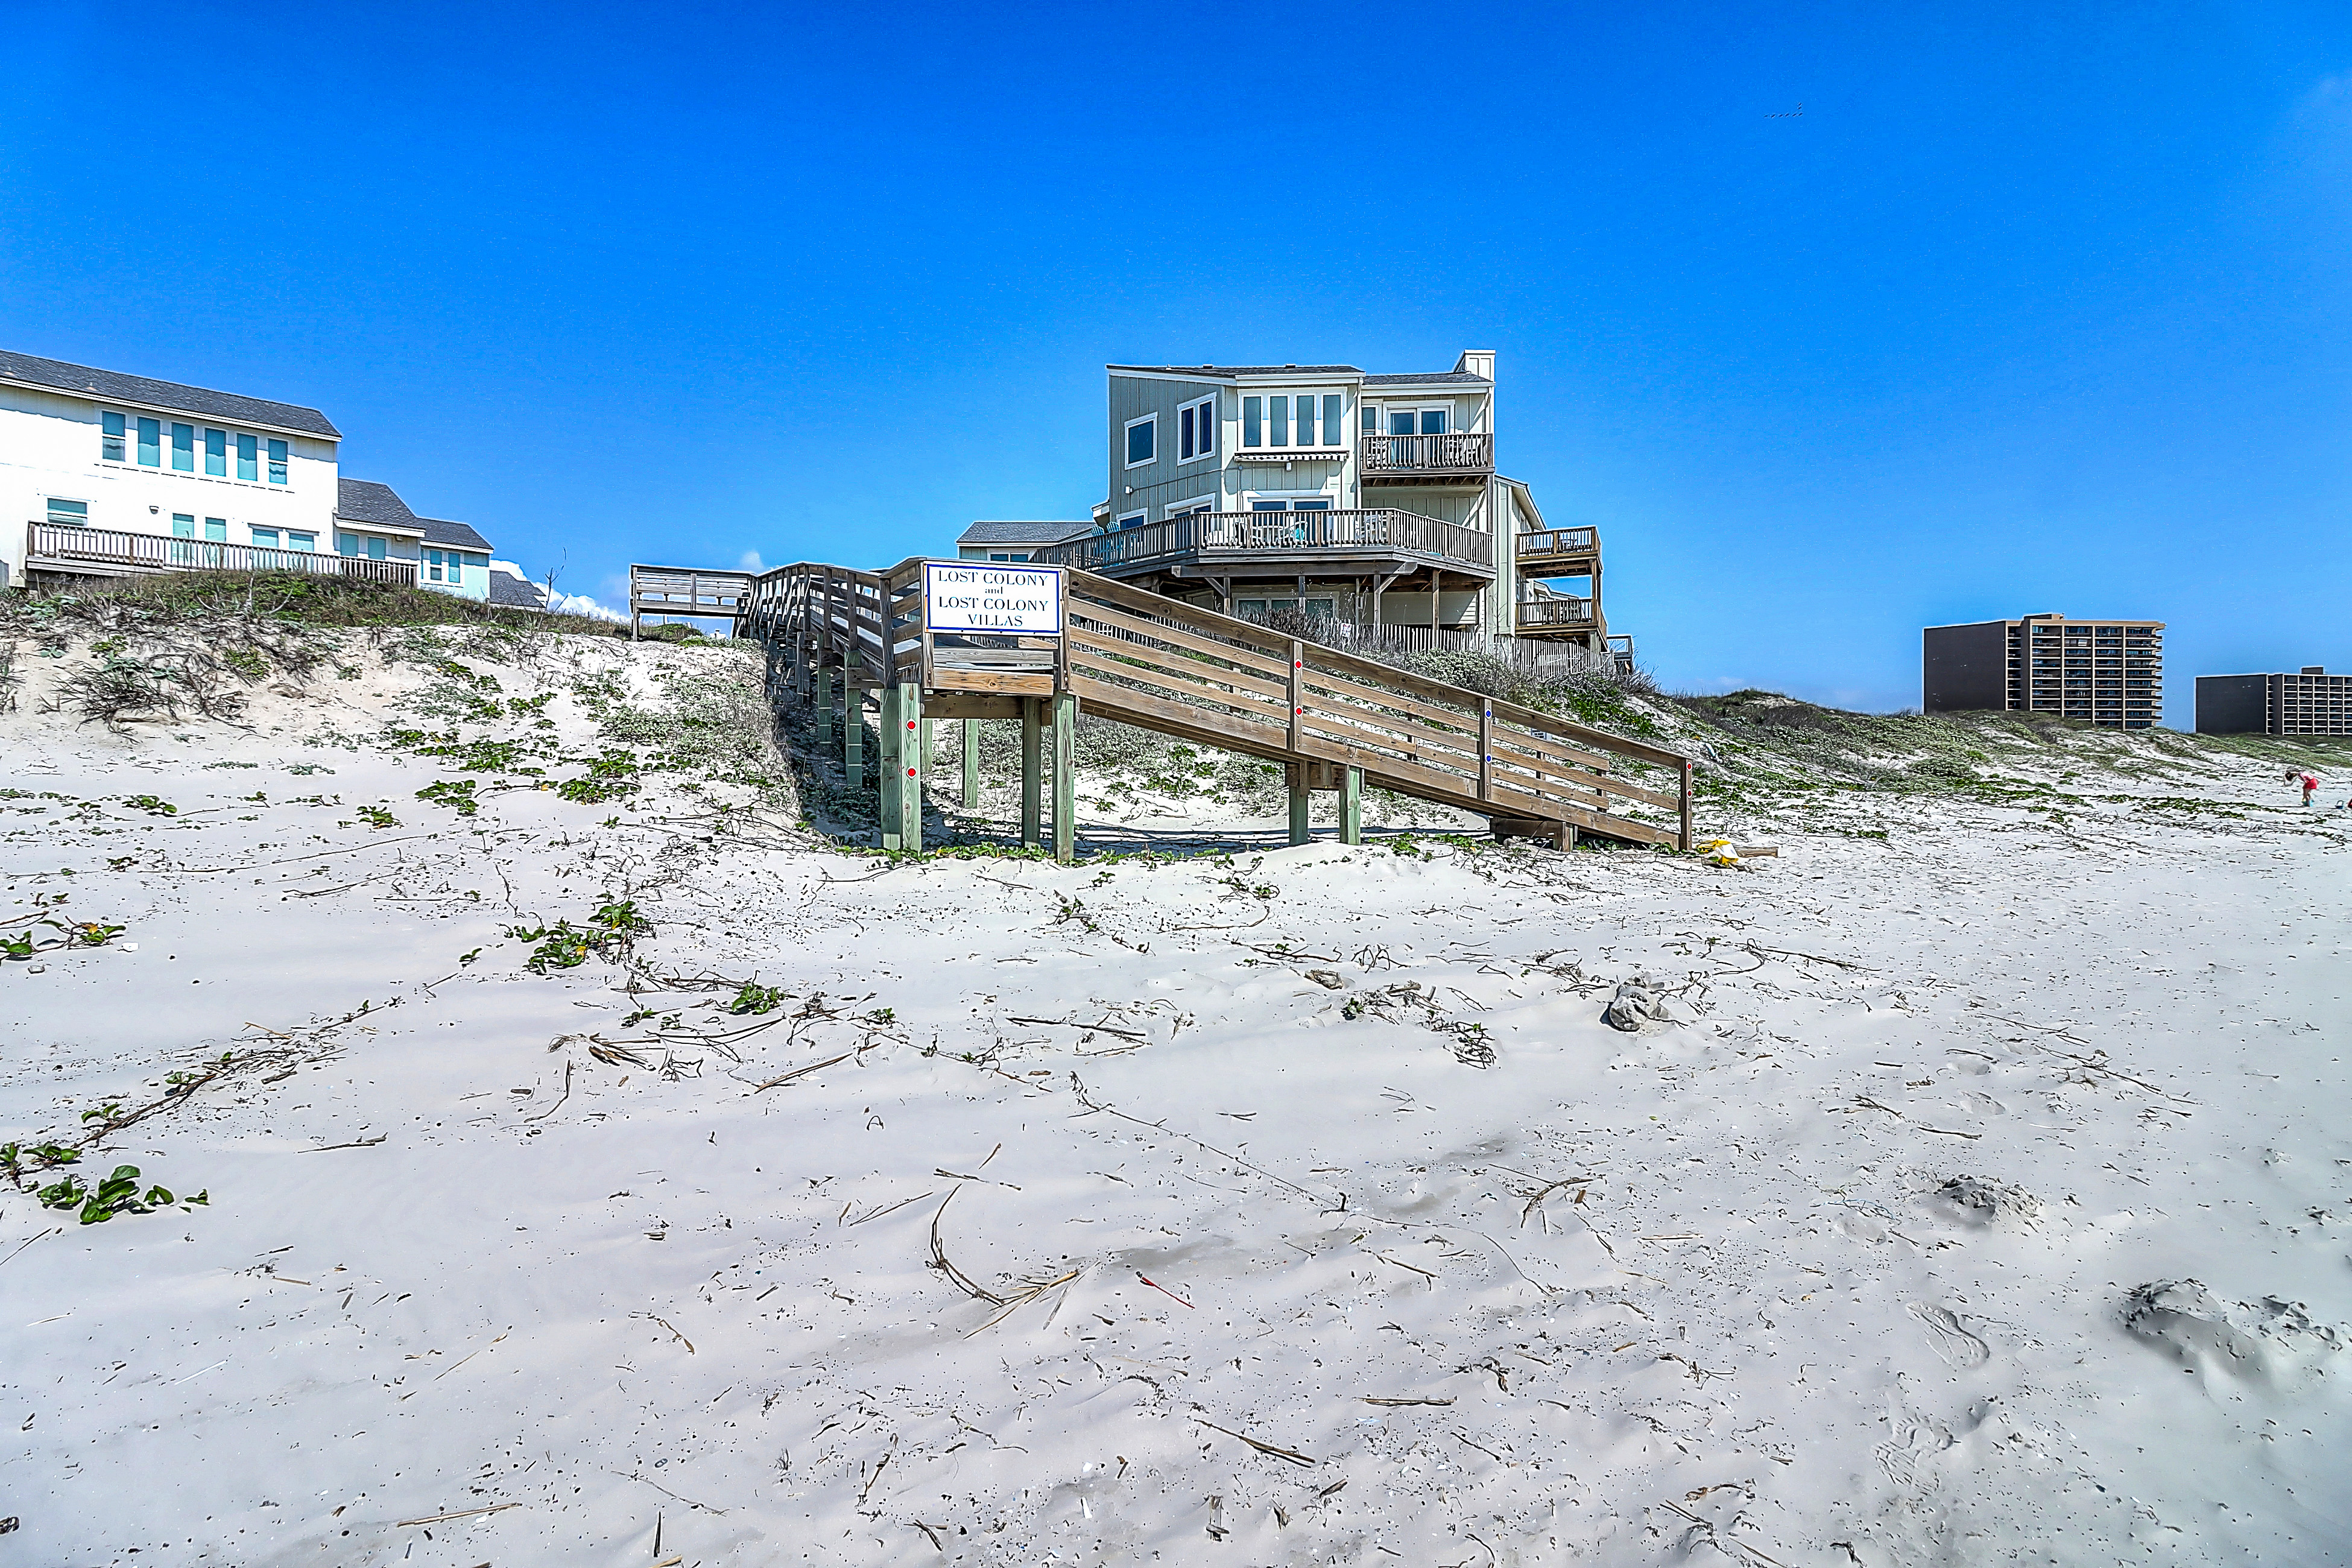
x=114, y=475
x=1373, y=498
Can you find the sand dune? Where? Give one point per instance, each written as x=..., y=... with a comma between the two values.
x=1981, y=1195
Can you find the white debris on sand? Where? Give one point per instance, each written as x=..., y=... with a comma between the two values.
x=1289, y=1207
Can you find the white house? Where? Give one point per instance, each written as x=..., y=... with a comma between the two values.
x=111, y=475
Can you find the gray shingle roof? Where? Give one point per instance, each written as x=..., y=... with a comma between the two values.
x=1221, y=371
x=114, y=386
x=1447, y=378
x=1024, y=533
x=506, y=588
x=365, y=500
x=441, y=530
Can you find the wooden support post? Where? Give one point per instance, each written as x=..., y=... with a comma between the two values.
x=971, y=763
x=1300, y=795
x=1351, y=806
x=930, y=744
x=914, y=732
x=1032, y=770
x=824, y=717
x=890, y=766
x=1065, y=776
x=853, y=734
x=1683, y=835
x=1298, y=692
x=1485, y=751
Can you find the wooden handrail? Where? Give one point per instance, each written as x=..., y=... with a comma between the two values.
x=135, y=553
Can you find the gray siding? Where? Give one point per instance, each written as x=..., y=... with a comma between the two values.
x=1964, y=669
x=2231, y=704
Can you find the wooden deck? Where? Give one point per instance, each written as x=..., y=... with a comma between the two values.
x=1333, y=720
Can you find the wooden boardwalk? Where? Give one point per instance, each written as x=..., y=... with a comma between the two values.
x=1333, y=720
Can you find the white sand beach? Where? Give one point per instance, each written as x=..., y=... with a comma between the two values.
x=1272, y=1207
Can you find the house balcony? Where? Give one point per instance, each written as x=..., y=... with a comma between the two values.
x=1555, y=548
x=1461, y=459
x=1556, y=614
x=1213, y=545
x=104, y=552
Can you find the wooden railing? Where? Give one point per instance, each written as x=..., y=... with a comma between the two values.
x=1216, y=681
x=1452, y=454
x=1558, y=611
x=72, y=547
x=1552, y=542
x=687, y=591
x=1208, y=536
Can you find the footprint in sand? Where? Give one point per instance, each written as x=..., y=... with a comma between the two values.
x=1958, y=1347
x=1909, y=1455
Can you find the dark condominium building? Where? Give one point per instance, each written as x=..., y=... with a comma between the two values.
x=2105, y=672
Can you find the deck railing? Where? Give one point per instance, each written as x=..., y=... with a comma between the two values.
x=1451, y=454
x=1275, y=533
x=1550, y=541
x=1560, y=611
x=71, y=547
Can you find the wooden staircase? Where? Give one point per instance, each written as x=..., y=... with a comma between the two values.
x=1334, y=721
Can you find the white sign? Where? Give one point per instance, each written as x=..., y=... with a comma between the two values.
x=989, y=596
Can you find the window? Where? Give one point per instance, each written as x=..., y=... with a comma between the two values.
x=1008, y=555
x=1196, y=430
x=277, y=462
x=216, y=530
x=216, y=453
x=1142, y=436
x=248, y=464
x=375, y=549
x=265, y=539
x=150, y=442
x=1133, y=520
x=184, y=527
x=1429, y=421
x=109, y=439
x=69, y=513
x=1191, y=507
x=184, y=448
x=433, y=566
x=303, y=541
x=1266, y=421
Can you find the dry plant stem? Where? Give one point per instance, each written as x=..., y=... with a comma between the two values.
x=801, y=1072
x=1093, y=1106
x=1290, y=1454
x=559, y=1098
x=940, y=1260
x=460, y=1513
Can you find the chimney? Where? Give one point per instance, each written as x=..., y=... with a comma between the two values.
x=1475, y=362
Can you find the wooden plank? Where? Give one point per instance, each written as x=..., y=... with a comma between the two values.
x=951, y=704
x=1119, y=702
x=1038, y=685
x=1158, y=608
x=1149, y=681
x=1239, y=658
x=1321, y=681
x=1176, y=664
x=1413, y=742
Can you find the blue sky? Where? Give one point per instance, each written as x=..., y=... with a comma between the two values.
x=2033, y=307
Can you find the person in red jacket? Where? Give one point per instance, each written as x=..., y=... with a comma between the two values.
x=2310, y=788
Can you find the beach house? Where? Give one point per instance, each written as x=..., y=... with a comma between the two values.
x=116, y=475
x=1368, y=497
